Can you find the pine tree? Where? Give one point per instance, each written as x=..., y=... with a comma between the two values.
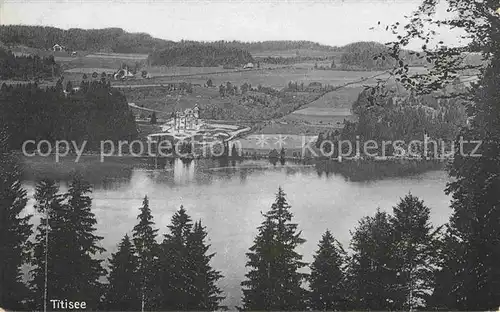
x=188, y=282
x=176, y=281
x=14, y=230
x=327, y=280
x=448, y=273
x=415, y=252
x=69, y=86
x=273, y=282
x=123, y=291
x=205, y=295
x=371, y=272
x=476, y=202
x=86, y=270
x=235, y=152
x=49, y=277
x=144, y=237
x=68, y=243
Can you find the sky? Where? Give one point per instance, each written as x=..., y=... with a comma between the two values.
x=331, y=22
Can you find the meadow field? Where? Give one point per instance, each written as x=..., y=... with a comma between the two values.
x=89, y=70
x=158, y=71
x=124, y=56
x=279, y=78
x=82, y=61
x=297, y=52
x=326, y=113
x=161, y=99
x=337, y=102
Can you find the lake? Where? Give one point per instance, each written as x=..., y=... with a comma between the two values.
x=229, y=196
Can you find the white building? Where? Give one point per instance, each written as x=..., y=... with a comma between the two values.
x=123, y=74
x=57, y=48
x=187, y=120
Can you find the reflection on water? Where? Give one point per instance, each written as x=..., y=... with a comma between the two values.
x=183, y=171
x=228, y=196
x=202, y=171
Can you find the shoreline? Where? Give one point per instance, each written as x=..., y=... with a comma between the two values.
x=258, y=156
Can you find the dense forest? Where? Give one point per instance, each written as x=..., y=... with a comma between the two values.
x=279, y=45
x=95, y=112
x=403, y=117
x=370, y=56
x=199, y=55
x=27, y=67
x=279, y=60
x=104, y=40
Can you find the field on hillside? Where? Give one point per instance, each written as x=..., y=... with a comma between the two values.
x=297, y=52
x=161, y=99
x=89, y=70
x=280, y=77
x=303, y=124
x=102, y=60
x=276, y=78
x=338, y=100
x=252, y=106
x=124, y=56
x=156, y=71
x=293, y=113
x=326, y=113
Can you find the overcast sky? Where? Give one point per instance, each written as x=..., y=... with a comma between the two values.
x=332, y=22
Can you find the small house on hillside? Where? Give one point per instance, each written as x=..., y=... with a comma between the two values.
x=248, y=66
x=123, y=73
x=57, y=48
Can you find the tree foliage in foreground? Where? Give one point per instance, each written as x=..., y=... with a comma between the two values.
x=328, y=280
x=67, y=241
x=15, y=230
x=414, y=253
x=123, y=290
x=469, y=278
x=188, y=282
x=144, y=237
x=274, y=282
x=372, y=273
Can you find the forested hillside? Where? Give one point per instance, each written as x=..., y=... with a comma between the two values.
x=107, y=39
x=403, y=116
x=26, y=67
x=279, y=45
x=355, y=56
x=200, y=54
x=119, y=41
x=96, y=112
x=362, y=56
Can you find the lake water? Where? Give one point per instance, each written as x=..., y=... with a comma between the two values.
x=229, y=197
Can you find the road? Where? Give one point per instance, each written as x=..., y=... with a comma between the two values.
x=133, y=105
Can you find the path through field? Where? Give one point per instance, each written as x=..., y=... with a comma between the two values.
x=328, y=112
